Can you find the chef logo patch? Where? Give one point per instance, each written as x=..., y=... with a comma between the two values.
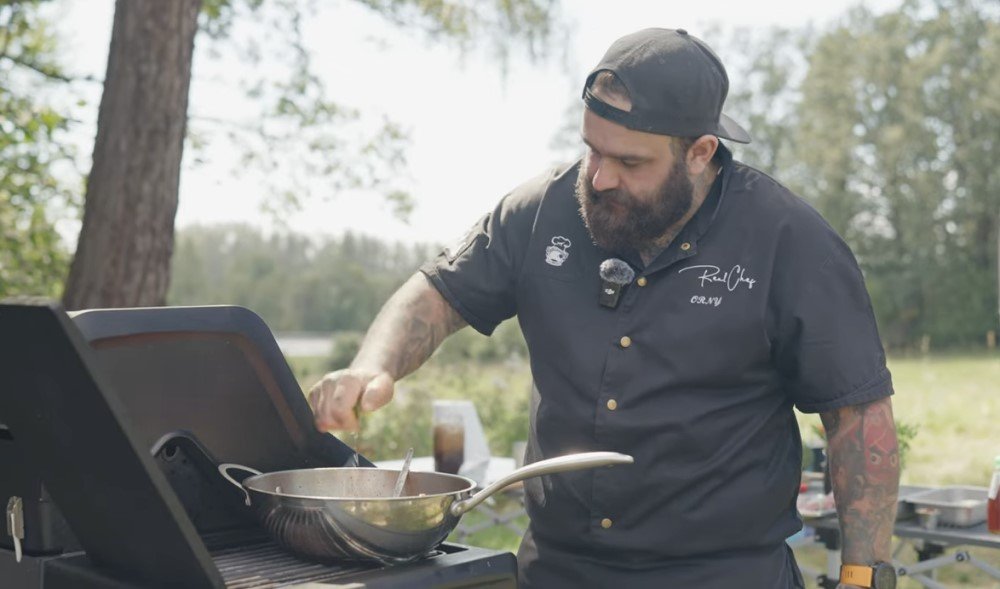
x=557, y=253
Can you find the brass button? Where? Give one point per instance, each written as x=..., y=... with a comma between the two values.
x=685, y=246
x=606, y=523
x=641, y=281
x=612, y=404
x=626, y=341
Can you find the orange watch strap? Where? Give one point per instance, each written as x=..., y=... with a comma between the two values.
x=856, y=575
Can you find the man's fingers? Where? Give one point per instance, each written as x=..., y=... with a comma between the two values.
x=332, y=400
x=336, y=399
x=377, y=393
x=342, y=401
x=326, y=418
x=317, y=404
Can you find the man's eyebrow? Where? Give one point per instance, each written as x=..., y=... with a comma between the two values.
x=617, y=156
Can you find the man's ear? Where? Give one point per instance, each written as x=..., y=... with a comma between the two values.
x=700, y=154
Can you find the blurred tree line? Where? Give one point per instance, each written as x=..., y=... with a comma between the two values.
x=299, y=284
x=293, y=282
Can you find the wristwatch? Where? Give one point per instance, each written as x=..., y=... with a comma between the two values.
x=880, y=575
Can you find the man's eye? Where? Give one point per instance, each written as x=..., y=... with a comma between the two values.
x=630, y=163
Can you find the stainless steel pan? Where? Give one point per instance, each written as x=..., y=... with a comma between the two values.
x=349, y=513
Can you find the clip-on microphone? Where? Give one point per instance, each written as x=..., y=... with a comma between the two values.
x=615, y=274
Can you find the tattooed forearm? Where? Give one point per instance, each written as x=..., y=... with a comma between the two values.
x=864, y=468
x=408, y=329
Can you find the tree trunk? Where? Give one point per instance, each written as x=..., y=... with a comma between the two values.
x=123, y=254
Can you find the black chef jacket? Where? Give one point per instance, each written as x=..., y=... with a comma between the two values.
x=756, y=306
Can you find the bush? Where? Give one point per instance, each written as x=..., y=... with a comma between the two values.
x=507, y=342
x=345, y=347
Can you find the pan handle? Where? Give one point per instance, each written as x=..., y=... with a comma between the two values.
x=552, y=465
x=224, y=471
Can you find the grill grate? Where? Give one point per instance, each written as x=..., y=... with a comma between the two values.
x=266, y=566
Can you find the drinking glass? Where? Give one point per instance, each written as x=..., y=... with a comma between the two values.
x=449, y=437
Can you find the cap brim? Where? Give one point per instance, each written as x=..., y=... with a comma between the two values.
x=730, y=129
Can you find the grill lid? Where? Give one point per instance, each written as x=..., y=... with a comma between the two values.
x=214, y=373
x=69, y=424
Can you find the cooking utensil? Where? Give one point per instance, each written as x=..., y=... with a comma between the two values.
x=398, y=488
x=347, y=513
x=356, y=434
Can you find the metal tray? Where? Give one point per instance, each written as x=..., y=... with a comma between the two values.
x=952, y=506
x=904, y=509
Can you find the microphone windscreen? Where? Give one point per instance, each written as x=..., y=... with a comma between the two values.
x=617, y=271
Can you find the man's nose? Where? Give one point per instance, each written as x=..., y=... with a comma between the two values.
x=604, y=178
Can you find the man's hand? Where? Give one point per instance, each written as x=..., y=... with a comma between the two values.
x=410, y=326
x=339, y=396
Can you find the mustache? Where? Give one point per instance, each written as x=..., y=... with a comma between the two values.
x=595, y=196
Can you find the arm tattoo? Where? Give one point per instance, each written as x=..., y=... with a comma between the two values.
x=410, y=326
x=863, y=458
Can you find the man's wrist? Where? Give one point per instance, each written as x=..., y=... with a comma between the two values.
x=880, y=575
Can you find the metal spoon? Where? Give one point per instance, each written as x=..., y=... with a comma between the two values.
x=402, y=474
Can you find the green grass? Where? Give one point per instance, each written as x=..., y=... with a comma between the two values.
x=953, y=400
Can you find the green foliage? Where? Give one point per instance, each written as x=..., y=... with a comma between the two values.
x=32, y=259
x=294, y=283
x=887, y=123
x=905, y=433
x=468, y=345
x=345, y=347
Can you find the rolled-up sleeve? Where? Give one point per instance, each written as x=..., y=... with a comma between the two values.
x=825, y=341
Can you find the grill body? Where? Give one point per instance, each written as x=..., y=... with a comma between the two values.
x=112, y=425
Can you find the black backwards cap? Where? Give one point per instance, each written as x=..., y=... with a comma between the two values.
x=677, y=85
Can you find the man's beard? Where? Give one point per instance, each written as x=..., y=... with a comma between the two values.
x=642, y=222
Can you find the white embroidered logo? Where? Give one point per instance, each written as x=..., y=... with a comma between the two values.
x=730, y=280
x=556, y=253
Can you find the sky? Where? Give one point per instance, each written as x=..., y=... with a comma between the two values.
x=478, y=137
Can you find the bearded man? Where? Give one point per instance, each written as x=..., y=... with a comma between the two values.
x=740, y=303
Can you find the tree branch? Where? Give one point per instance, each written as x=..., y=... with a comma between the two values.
x=48, y=72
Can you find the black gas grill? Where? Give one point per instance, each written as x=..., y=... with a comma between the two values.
x=112, y=424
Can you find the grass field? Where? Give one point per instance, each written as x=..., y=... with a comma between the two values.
x=953, y=401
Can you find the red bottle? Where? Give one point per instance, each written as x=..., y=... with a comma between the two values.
x=993, y=504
